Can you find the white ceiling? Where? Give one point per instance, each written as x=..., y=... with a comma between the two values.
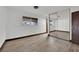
x=44, y=10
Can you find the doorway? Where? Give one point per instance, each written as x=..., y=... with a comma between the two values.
x=75, y=27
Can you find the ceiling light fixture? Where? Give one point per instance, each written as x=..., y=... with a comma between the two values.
x=36, y=7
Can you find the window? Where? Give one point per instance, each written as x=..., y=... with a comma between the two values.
x=30, y=20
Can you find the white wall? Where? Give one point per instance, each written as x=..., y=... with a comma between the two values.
x=63, y=20
x=3, y=18
x=15, y=28
x=75, y=8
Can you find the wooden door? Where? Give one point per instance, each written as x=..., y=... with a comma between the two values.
x=75, y=27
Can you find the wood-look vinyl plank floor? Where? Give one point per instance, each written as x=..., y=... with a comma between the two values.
x=39, y=43
x=62, y=35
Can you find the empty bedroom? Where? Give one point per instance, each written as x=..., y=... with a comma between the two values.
x=39, y=28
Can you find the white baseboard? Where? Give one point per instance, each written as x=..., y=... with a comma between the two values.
x=2, y=43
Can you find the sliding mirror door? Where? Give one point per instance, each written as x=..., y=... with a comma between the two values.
x=59, y=24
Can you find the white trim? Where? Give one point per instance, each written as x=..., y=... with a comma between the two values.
x=2, y=43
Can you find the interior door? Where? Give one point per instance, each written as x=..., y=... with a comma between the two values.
x=75, y=27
